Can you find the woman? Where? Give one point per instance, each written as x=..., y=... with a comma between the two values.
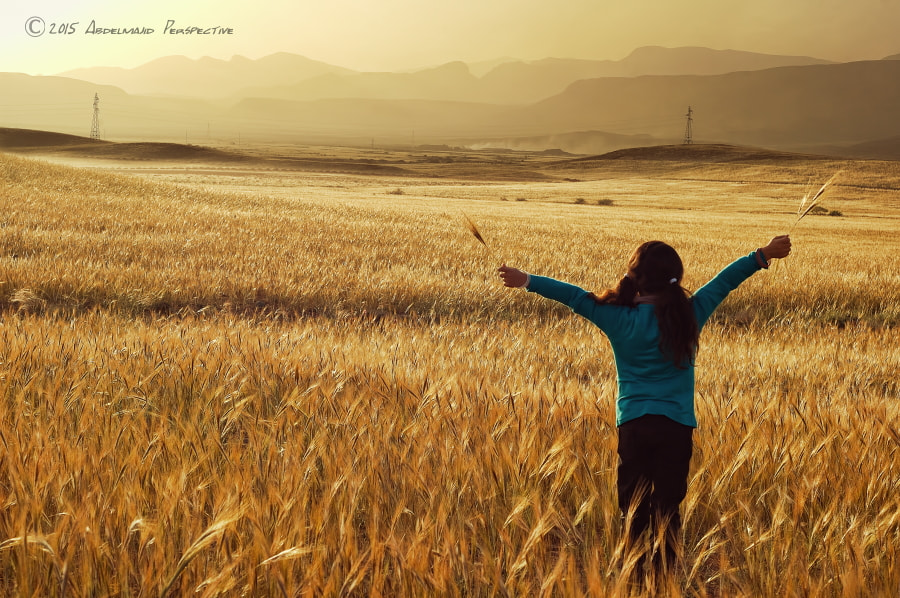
x=653, y=326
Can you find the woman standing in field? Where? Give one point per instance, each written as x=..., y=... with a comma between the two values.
x=653, y=325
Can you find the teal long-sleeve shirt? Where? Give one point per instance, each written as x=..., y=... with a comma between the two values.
x=648, y=382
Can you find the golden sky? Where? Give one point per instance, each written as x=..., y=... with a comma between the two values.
x=407, y=34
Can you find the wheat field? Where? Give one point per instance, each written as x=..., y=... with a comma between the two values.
x=315, y=385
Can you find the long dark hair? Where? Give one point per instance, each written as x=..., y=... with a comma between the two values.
x=656, y=269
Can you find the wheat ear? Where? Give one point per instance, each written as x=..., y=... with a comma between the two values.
x=803, y=211
x=477, y=234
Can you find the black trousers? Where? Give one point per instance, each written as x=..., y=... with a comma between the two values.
x=654, y=460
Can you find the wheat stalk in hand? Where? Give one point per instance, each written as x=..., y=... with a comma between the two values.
x=804, y=209
x=475, y=232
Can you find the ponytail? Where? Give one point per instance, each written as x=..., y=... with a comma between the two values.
x=679, y=336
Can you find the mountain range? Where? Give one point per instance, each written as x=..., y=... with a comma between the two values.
x=292, y=77
x=576, y=105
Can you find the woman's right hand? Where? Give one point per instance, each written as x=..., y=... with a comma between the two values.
x=512, y=277
x=778, y=247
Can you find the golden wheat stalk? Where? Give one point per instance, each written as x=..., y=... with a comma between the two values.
x=474, y=230
x=477, y=234
x=805, y=209
x=806, y=206
x=208, y=537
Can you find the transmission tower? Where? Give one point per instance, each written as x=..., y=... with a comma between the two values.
x=95, y=123
x=688, y=133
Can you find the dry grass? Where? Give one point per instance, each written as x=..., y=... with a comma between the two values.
x=327, y=392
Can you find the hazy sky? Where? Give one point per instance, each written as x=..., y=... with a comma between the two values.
x=405, y=34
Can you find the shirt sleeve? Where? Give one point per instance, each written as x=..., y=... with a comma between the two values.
x=709, y=296
x=577, y=299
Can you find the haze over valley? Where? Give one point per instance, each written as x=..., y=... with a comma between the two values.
x=795, y=103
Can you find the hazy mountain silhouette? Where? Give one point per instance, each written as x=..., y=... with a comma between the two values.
x=207, y=77
x=525, y=82
x=483, y=67
x=881, y=149
x=781, y=107
x=53, y=103
x=289, y=76
x=795, y=107
x=66, y=105
x=786, y=107
x=452, y=81
x=692, y=60
x=518, y=82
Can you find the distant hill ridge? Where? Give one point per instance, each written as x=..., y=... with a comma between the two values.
x=290, y=76
x=36, y=140
x=48, y=143
x=708, y=152
x=12, y=138
x=18, y=139
x=206, y=77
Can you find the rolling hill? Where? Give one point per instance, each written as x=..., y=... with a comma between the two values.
x=48, y=142
x=26, y=139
